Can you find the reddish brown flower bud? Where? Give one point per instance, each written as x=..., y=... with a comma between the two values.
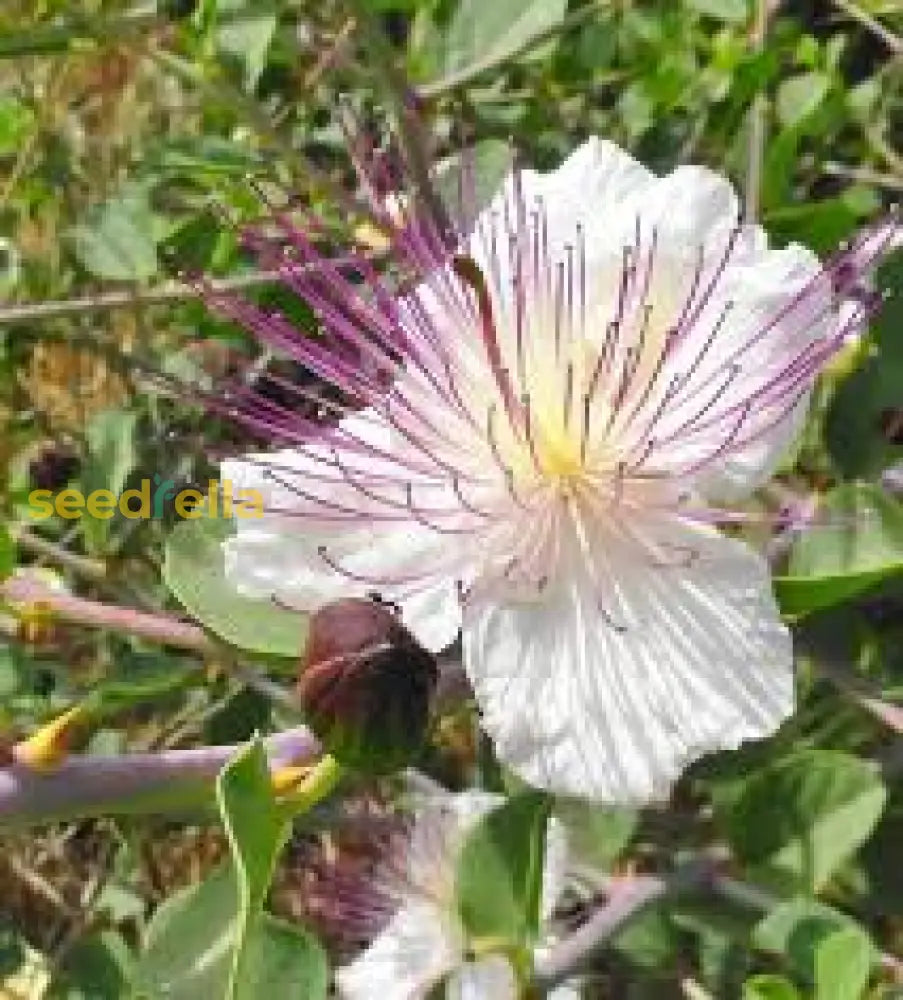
x=366, y=685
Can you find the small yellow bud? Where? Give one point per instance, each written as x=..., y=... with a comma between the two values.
x=286, y=779
x=47, y=748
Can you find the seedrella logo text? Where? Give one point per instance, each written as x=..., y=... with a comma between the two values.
x=150, y=499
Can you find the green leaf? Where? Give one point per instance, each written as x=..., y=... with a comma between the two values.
x=98, y=967
x=821, y=224
x=257, y=830
x=649, y=940
x=797, y=821
x=843, y=965
x=596, y=835
x=860, y=546
x=245, y=39
x=9, y=673
x=110, y=437
x=824, y=947
x=117, y=241
x=204, y=154
x=730, y=11
x=111, y=456
x=769, y=988
x=16, y=120
x=499, y=877
x=490, y=162
x=283, y=963
x=188, y=943
x=194, y=570
x=215, y=939
x=481, y=32
x=799, y=96
x=854, y=424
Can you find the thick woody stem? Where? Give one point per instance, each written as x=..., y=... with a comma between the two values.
x=131, y=783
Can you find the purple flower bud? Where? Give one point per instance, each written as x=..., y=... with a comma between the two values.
x=366, y=685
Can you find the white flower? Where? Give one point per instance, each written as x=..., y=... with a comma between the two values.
x=546, y=431
x=424, y=941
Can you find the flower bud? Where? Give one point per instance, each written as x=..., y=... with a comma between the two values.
x=49, y=745
x=366, y=685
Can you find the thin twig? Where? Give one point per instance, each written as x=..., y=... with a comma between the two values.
x=757, y=123
x=626, y=898
x=174, y=291
x=864, y=175
x=330, y=56
x=171, y=291
x=862, y=690
x=83, y=566
x=153, y=626
x=629, y=895
x=162, y=628
x=873, y=25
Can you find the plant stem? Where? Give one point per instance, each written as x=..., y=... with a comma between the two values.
x=757, y=123
x=628, y=896
x=892, y=41
x=89, y=569
x=131, y=783
x=161, y=628
x=106, y=301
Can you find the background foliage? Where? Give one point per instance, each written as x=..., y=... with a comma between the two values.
x=128, y=135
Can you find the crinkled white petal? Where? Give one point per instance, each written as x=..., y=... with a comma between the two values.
x=627, y=671
x=490, y=978
x=584, y=190
x=414, y=952
x=279, y=555
x=689, y=206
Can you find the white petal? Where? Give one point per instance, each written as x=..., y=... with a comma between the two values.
x=688, y=207
x=626, y=671
x=596, y=178
x=739, y=360
x=433, y=615
x=282, y=553
x=565, y=992
x=490, y=978
x=289, y=568
x=413, y=953
x=555, y=867
x=760, y=289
